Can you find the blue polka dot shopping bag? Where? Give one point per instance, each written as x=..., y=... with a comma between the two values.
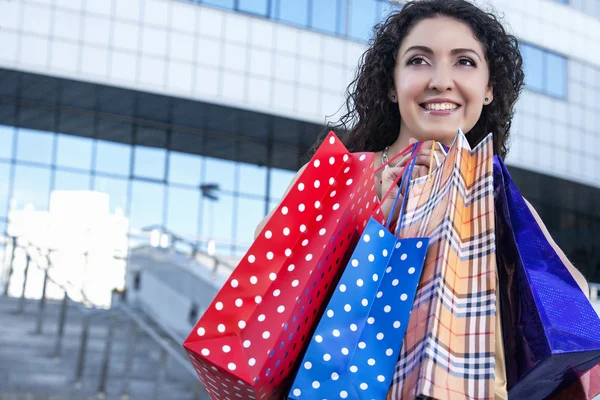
x=355, y=346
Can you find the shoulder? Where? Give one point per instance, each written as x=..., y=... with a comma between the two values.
x=577, y=275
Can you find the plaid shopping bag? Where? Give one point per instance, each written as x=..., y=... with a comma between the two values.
x=247, y=344
x=355, y=346
x=449, y=347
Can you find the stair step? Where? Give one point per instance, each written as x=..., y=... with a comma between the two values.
x=28, y=369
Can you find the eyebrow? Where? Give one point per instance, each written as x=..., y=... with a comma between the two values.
x=426, y=49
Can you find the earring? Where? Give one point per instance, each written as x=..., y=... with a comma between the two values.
x=487, y=100
x=393, y=97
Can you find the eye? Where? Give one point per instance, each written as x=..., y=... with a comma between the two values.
x=467, y=62
x=417, y=61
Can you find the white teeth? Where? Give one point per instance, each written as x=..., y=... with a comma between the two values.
x=440, y=106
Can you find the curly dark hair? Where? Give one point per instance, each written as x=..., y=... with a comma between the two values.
x=373, y=122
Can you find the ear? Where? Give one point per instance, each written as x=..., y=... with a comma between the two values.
x=393, y=96
x=489, y=95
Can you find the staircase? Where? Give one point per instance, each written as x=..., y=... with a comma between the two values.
x=30, y=369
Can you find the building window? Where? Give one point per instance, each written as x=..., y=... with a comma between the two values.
x=328, y=16
x=220, y=3
x=556, y=75
x=258, y=7
x=293, y=11
x=561, y=1
x=349, y=18
x=545, y=71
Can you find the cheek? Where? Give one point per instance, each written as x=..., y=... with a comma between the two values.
x=472, y=114
x=409, y=92
x=475, y=96
x=409, y=88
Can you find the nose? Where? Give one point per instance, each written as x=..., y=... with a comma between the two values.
x=441, y=79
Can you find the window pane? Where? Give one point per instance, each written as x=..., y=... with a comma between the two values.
x=239, y=252
x=7, y=134
x=116, y=190
x=217, y=219
x=324, y=15
x=185, y=168
x=533, y=67
x=556, y=75
x=294, y=11
x=253, y=179
x=280, y=180
x=4, y=181
x=273, y=204
x=363, y=15
x=66, y=180
x=32, y=185
x=249, y=213
x=73, y=151
x=146, y=204
x=220, y=3
x=182, y=213
x=253, y=6
x=113, y=157
x=35, y=146
x=221, y=172
x=150, y=162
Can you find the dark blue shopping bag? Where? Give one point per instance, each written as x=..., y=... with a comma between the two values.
x=551, y=331
x=354, y=349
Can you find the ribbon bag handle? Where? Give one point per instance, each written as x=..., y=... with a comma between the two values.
x=413, y=155
x=404, y=198
x=412, y=160
x=391, y=160
x=406, y=175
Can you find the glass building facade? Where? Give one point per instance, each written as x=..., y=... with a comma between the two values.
x=353, y=19
x=198, y=184
x=200, y=159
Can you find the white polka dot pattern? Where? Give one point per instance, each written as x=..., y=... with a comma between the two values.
x=252, y=334
x=366, y=322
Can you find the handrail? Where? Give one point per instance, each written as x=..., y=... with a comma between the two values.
x=34, y=253
x=49, y=267
x=151, y=332
x=193, y=245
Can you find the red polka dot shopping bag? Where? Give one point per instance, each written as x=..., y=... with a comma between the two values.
x=355, y=346
x=248, y=342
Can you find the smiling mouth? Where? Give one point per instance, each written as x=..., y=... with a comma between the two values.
x=439, y=106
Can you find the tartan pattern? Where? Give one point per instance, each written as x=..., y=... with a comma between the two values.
x=449, y=347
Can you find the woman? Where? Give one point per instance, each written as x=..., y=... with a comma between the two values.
x=432, y=68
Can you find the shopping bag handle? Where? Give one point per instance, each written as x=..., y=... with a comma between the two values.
x=404, y=182
x=412, y=157
x=405, y=196
x=387, y=194
x=391, y=160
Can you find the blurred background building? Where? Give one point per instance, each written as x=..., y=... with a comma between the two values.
x=179, y=124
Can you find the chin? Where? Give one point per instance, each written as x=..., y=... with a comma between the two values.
x=445, y=136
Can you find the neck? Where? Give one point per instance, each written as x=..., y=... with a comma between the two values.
x=401, y=142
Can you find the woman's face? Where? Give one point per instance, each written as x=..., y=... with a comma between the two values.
x=441, y=80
